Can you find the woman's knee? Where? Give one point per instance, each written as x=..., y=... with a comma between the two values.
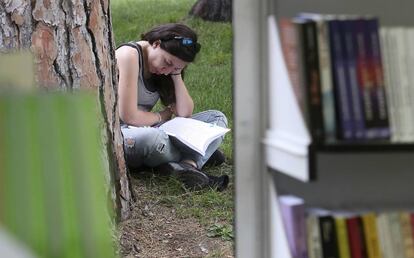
x=219, y=117
x=212, y=116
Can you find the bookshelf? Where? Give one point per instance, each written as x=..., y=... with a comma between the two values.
x=335, y=175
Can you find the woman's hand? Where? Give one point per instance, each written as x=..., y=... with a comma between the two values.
x=166, y=114
x=173, y=108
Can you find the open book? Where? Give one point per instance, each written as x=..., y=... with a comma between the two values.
x=194, y=133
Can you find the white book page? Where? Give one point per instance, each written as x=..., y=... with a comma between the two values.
x=195, y=134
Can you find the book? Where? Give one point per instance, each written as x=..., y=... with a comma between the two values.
x=329, y=240
x=356, y=237
x=369, y=221
x=394, y=223
x=325, y=74
x=194, y=133
x=347, y=27
x=313, y=236
x=374, y=58
x=343, y=112
x=312, y=79
x=293, y=215
x=407, y=234
x=290, y=40
x=342, y=235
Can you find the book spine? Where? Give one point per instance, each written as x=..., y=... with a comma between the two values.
x=371, y=235
x=342, y=235
x=366, y=79
x=390, y=83
x=395, y=233
x=384, y=236
x=313, y=237
x=343, y=111
x=374, y=48
x=328, y=100
x=290, y=39
x=312, y=80
x=328, y=237
x=356, y=237
x=407, y=234
x=295, y=226
x=353, y=87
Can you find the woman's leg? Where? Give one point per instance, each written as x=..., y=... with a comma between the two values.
x=147, y=146
x=212, y=117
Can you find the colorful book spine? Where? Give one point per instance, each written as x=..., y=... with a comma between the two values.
x=374, y=57
x=371, y=235
x=350, y=56
x=356, y=238
x=365, y=78
x=342, y=235
x=343, y=110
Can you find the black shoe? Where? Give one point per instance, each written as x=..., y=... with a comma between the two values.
x=216, y=159
x=218, y=182
x=191, y=177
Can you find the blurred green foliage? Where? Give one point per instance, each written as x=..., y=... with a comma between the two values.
x=52, y=185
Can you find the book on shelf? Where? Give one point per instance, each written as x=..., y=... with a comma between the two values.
x=329, y=239
x=394, y=223
x=293, y=215
x=356, y=238
x=345, y=126
x=369, y=221
x=373, y=47
x=194, y=133
x=342, y=234
x=407, y=234
x=325, y=75
x=347, y=31
x=313, y=238
x=290, y=40
x=351, y=80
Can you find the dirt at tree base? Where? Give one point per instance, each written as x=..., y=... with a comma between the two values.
x=154, y=230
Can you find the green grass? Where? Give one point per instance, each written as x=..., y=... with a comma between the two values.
x=209, y=80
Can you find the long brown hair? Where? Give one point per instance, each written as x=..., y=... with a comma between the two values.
x=171, y=37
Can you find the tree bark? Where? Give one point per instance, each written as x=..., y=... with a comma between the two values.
x=73, y=48
x=213, y=10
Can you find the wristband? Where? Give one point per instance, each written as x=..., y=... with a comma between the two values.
x=159, y=117
x=175, y=73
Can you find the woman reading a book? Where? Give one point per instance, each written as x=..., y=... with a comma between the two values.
x=152, y=69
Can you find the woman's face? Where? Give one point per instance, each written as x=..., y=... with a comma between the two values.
x=162, y=62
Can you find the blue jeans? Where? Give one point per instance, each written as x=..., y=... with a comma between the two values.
x=150, y=146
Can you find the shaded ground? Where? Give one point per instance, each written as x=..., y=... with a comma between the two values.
x=158, y=228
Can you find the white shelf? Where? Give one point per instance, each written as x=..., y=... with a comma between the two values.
x=288, y=139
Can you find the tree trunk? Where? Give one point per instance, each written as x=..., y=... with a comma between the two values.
x=73, y=47
x=213, y=10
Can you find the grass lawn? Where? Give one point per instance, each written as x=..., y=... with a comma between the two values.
x=209, y=81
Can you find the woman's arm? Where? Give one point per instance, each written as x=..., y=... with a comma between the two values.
x=184, y=104
x=128, y=65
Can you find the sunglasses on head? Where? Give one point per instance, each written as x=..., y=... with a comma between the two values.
x=183, y=41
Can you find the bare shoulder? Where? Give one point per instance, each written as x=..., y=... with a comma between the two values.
x=126, y=55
